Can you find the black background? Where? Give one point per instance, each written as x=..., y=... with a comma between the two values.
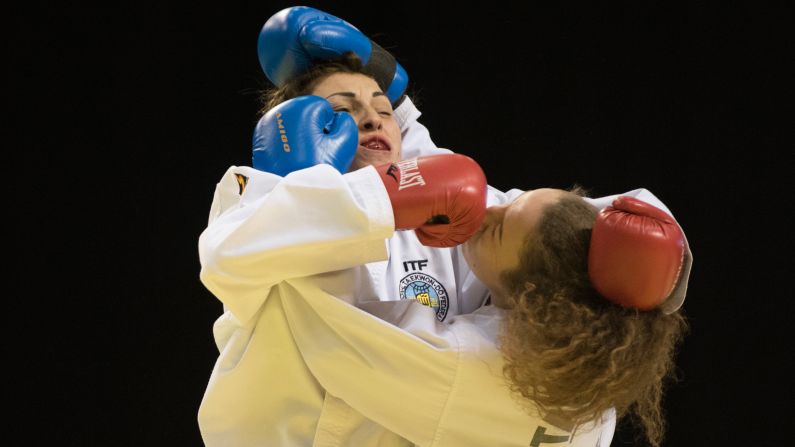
x=127, y=117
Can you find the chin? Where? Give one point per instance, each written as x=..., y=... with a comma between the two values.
x=373, y=158
x=465, y=252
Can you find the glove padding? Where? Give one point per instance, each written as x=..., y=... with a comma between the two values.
x=303, y=132
x=442, y=197
x=292, y=39
x=637, y=254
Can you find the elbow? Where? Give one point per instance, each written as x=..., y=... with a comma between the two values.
x=211, y=259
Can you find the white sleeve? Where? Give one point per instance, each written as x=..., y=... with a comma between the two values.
x=640, y=194
x=386, y=372
x=416, y=138
x=312, y=221
x=417, y=142
x=497, y=197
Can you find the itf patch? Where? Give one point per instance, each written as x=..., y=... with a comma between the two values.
x=427, y=290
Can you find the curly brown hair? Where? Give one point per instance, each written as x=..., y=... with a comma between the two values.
x=304, y=83
x=570, y=351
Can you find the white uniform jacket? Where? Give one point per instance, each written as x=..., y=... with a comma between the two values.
x=433, y=383
x=334, y=232
x=312, y=222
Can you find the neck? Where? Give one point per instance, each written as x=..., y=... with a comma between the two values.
x=499, y=300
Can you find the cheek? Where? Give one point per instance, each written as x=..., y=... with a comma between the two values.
x=393, y=131
x=472, y=251
x=465, y=252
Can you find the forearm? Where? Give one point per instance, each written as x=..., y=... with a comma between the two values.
x=310, y=222
x=416, y=137
x=386, y=370
x=640, y=194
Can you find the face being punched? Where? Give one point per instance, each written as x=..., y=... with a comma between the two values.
x=495, y=248
x=360, y=96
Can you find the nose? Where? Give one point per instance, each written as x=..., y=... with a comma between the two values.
x=370, y=119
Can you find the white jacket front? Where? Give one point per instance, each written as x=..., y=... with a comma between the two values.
x=276, y=250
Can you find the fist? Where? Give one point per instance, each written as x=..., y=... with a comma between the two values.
x=292, y=39
x=303, y=132
x=442, y=197
x=636, y=255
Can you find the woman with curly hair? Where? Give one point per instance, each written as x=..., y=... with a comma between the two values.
x=569, y=356
x=572, y=351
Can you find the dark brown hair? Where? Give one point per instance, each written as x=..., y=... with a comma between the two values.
x=304, y=83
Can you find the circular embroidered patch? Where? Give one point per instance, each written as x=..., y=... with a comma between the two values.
x=427, y=290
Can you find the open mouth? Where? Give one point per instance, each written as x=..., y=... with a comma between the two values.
x=375, y=144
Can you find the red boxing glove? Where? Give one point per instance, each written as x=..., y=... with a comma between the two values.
x=636, y=255
x=443, y=197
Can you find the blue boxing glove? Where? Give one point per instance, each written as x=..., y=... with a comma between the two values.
x=292, y=39
x=303, y=132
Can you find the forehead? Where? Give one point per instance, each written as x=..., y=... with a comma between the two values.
x=525, y=212
x=346, y=82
